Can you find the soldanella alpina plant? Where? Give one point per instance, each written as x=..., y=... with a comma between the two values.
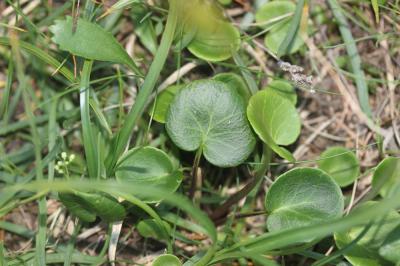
x=198, y=132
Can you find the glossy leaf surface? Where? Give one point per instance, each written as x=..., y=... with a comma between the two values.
x=275, y=120
x=149, y=166
x=341, y=164
x=89, y=41
x=208, y=115
x=301, y=197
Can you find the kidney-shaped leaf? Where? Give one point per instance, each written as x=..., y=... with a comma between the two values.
x=386, y=175
x=167, y=260
x=340, y=163
x=208, y=115
x=300, y=197
x=87, y=206
x=275, y=16
x=216, y=42
x=366, y=251
x=275, y=120
x=149, y=166
x=89, y=41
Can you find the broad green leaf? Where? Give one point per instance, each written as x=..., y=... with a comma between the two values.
x=390, y=249
x=284, y=89
x=149, y=166
x=88, y=205
x=275, y=13
x=236, y=82
x=277, y=35
x=212, y=37
x=215, y=42
x=275, y=120
x=301, y=197
x=208, y=115
x=89, y=41
x=167, y=259
x=386, y=175
x=275, y=16
x=161, y=105
x=150, y=228
x=341, y=164
x=365, y=252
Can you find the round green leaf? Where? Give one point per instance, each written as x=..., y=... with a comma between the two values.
x=386, y=175
x=277, y=35
x=301, y=197
x=208, y=115
x=284, y=89
x=215, y=41
x=272, y=11
x=340, y=163
x=366, y=251
x=275, y=120
x=163, y=101
x=149, y=166
x=167, y=260
x=282, y=12
x=236, y=82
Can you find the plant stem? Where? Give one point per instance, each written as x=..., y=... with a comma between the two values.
x=196, y=179
x=124, y=134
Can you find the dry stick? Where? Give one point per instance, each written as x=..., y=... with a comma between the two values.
x=318, y=55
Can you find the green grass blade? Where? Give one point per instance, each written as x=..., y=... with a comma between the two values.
x=355, y=60
x=251, y=83
x=71, y=243
x=148, y=86
x=87, y=130
x=42, y=55
x=17, y=229
x=375, y=7
x=286, y=44
x=6, y=92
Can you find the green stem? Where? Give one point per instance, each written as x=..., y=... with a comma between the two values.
x=144, y=93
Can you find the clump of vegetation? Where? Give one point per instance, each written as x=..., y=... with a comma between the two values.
x=199, y=132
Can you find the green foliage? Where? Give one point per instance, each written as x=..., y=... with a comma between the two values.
x=150, y=228
x=212, y=38
x=366, y=251
x=284, y=89
x=391, y=246
x=301, y=197
x=90, y=41
x=167, y=259
x=275, y=16
x=386, y=176
x=275, y=120
x=87, y=206
x=149, y=166
x=162, y=103
x=234, y=81
x=341, y=164
x=209, y=116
